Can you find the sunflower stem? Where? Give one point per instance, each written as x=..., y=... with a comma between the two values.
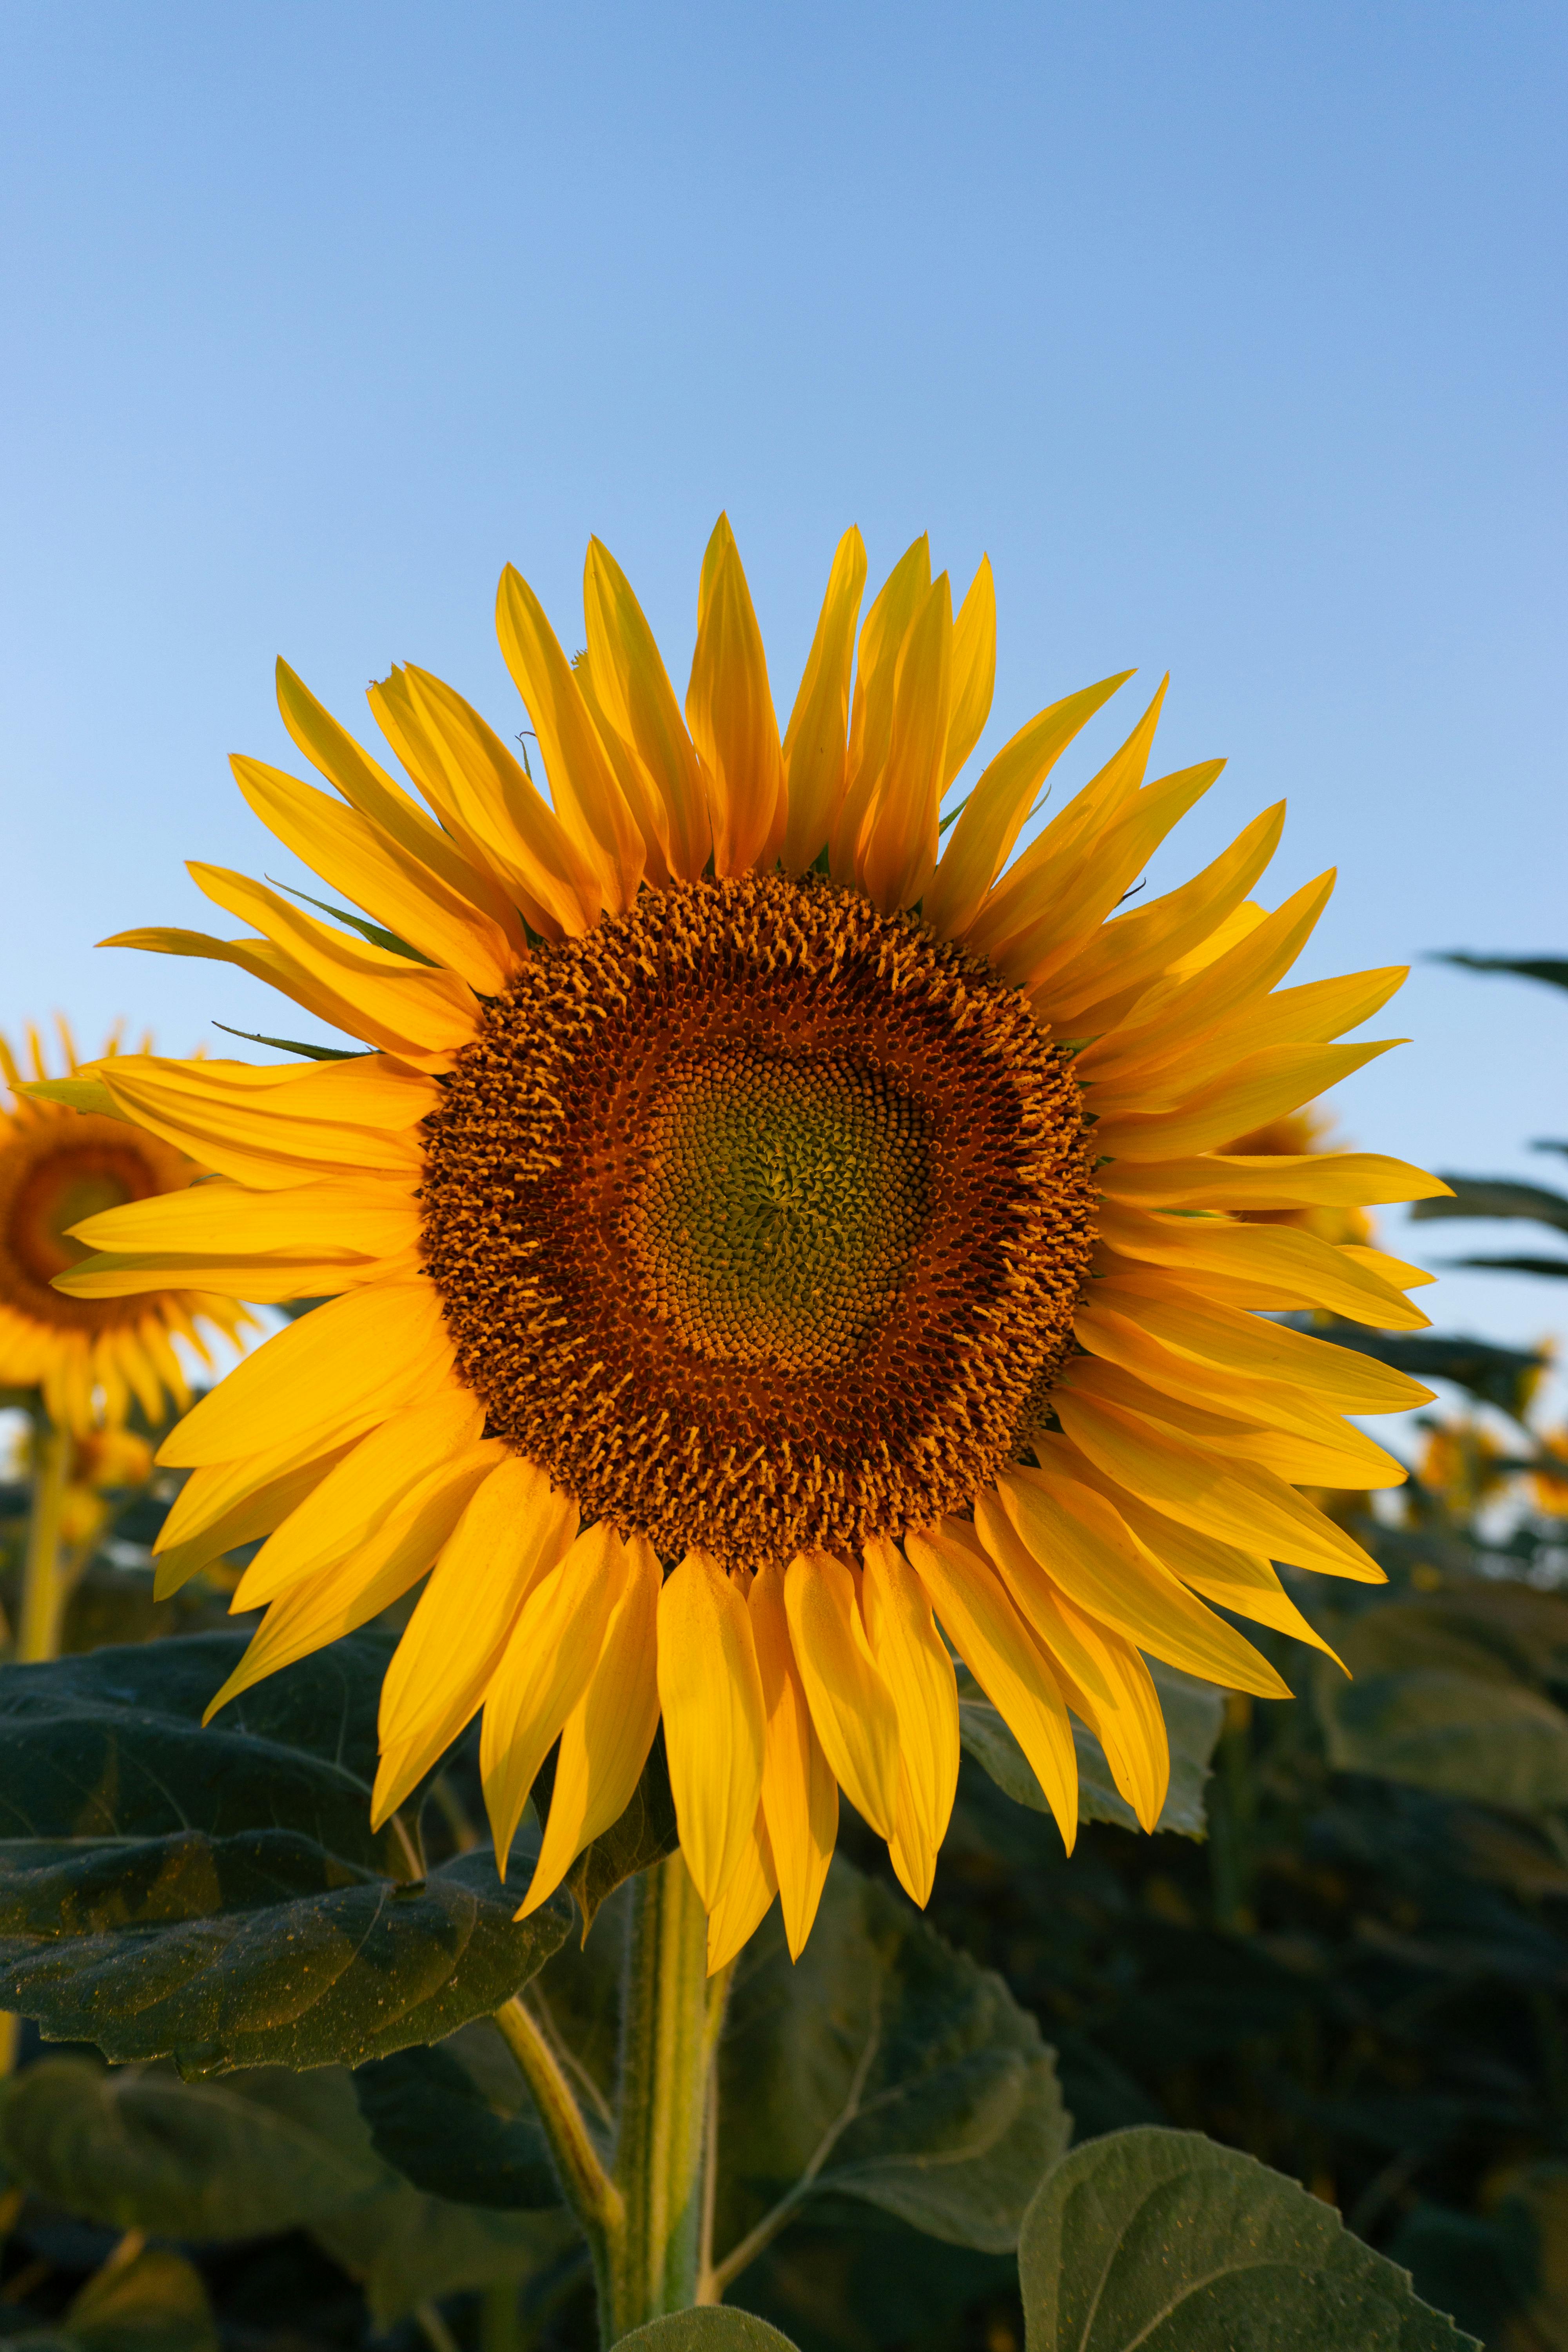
x=44, y=1588
x=670, y=2017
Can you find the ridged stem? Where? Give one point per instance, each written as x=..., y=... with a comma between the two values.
x=43, y=1587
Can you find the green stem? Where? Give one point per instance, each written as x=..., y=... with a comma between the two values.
x=585, y=2183
x=669, y=2026
x=43, y=1586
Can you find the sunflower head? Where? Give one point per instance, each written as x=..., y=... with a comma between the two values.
x=772, y=1242
x=92, y=1358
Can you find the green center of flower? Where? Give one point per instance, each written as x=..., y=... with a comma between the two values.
x=784, y=1200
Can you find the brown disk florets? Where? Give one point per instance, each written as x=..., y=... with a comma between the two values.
x=54, y=1172
x=757, y=1217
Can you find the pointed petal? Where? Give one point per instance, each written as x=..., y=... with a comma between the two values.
x=547, y=1665
x=994, y=1644
x=711, y=1696
x=743, y=1905
x=516, y=1528
x=588, y=801
x=917, y=1671
x=800, y=1795
x=973, y=671
x=988, y=827
x=851, y=1705
x=882, y=634
x=201, y=1526
x=816, y=744
x=631, y=680
x=899, y=842
x=730, y=709
x=605, y=1739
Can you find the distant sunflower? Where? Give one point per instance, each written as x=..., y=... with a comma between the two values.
x=760, y=1243
x=90, y=1355
x=1307, y=1130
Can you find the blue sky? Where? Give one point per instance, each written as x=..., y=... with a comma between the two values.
x=1234, y=333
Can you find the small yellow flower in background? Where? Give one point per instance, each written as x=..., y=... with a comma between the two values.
x=760, y=1236
x=92, y=1358
x=106, y=1461
x=1549, y=1490
x=1463, y=1462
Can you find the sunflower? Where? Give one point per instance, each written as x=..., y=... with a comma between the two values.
x=763, y=1244
x=90, y=1355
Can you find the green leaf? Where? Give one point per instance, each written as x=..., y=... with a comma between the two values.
x=712, y=2329
x=293, y=1045
x=217, y=1896
x=1447, y=1696
x=1193, y=1713
x=882, y=2065
x=1167, y=2241
x=154, y=2302
x=1550, y=969
x=1496, y=1196
x=458, y=2120
x=406, y=2249
x=1547, y=1268
x=137, y=2149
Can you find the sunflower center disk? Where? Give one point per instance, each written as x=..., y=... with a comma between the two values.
x=57, y=1173
x=784, y=1200
x=758, y=1218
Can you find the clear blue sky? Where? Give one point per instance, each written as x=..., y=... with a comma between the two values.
x=1234, y=333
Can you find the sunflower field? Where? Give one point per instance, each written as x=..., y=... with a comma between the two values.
x=703, y=1644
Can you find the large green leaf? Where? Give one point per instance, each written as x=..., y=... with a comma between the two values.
x=1194, y=1712
x=1496, y=1196
x=882, y=2065
x=134, y=2148
x=153, y=2303
x=1551, y=1269
x=217, y=1896
x=458, y=2120
x=1169, y=2243
x=713, y=2328
x=1450, y=1694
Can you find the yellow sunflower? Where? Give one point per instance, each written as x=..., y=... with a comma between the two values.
x=89, y=1355
x=761, y=1242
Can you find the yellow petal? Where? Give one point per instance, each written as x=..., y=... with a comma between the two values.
x=1296, y=1269
x=899, y=842
x=988, y=827
x=1238, y=1344
x=630, y=679
x=605, y=1739
x=800, y=1795
x=1062, y=852
x=368, y=788
x=354, y=1501
x=815, y=744
x=1238, y=1502
x=1088, y=1549
x=195, y=1532
x=354, y=856
x=1283, y=1180
x=1127, y=956
x=349, y=1219
x=742, y=1907
x=588, y=801
x=1334, y=1455
x=851, y=1705
x=355, y=1589
x=882, y=634
x=401, y=1000
x=973, y=671
x=730, y=709
x=712, y=1695
x=1263, y=1086
x=915, y=1666
x=274, y=969
x=546, y=1666
x=994, y=1644
x=1178, y=1065
x=516, y=1528
x=379, y=1347
x=487, y=801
